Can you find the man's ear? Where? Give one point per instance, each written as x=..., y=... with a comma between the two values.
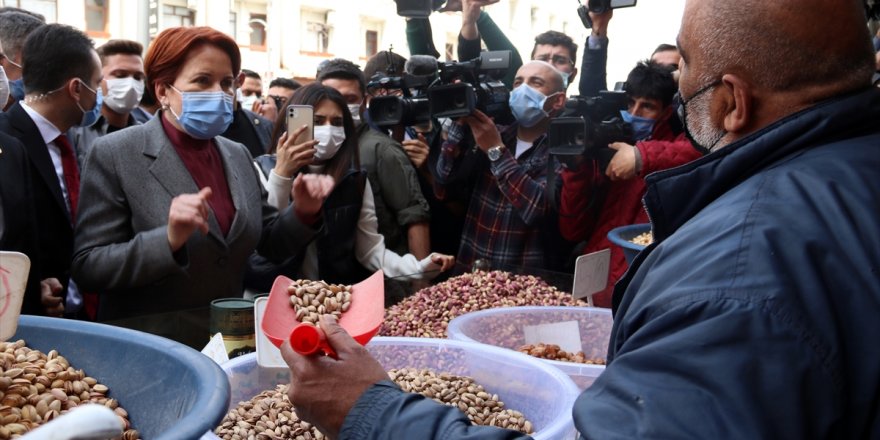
x=558, y=102
x=737, y=104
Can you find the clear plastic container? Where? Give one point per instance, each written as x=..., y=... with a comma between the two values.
x=504, y=327
x=171, y=392
x=542, y=393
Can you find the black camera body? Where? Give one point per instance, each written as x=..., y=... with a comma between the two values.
x=600, y=7
x=590, y=125
x=418, y=8
x=410, y=109
x=473, y=85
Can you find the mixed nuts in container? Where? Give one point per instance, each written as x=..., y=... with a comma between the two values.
x=311, y=299
x=35, y=388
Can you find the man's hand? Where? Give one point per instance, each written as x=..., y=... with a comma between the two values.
x=289, y=157
x=600, y=22
x=417, y=150
x=266, y=108
x=485, y=132
x=470, y=12
x=623, y=164
x=188, y=212
x=50, y=297
x=309, y=192
x=322, y=389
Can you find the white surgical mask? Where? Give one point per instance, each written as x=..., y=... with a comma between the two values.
x=123, y=94
x=355, y=110
x=330, y=139
x=247, y=102
x=4, y=88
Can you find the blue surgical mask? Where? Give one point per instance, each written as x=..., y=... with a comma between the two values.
x=16, y=89
x=91, y=116
x=642, y=127
x=527, y=105
x=204, y=115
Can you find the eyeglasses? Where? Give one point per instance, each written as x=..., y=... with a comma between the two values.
x=556, y=59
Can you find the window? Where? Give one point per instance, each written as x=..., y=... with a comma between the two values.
x=372, y=40
x=315, y=32
x=233, y=24
x=258, y=30
x=48, y=8
x=174, y=16
x=96, y=17
x=534, y=17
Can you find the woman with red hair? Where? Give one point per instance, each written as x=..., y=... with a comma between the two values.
x=170, y=211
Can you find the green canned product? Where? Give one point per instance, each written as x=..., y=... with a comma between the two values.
x=234, y=319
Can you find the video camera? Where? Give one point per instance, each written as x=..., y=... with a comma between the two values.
x=591, y=125
x=473, y=85
x=418, y=8
x=452, y=90
x=600, y=7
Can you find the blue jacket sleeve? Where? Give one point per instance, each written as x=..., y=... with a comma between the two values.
x=384, y=412
x=593, y=70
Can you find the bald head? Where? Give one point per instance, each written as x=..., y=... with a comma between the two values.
x=543, y=72
x=779, y=45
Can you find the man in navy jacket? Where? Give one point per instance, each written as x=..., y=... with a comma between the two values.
x=755, y=312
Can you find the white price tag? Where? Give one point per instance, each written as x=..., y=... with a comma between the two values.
x=268, y=355
x=567, y=335
x=216, y=349
x=591, y=273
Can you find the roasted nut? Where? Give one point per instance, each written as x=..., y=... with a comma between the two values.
x=554, y=352
x=311, y=299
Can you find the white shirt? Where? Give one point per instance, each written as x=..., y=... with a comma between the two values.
x=369, y=247
x=521, y=147
x=49, y=132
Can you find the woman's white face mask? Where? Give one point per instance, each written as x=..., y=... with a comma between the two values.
x=330, y=139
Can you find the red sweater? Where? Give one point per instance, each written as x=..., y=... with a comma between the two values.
x=621, y=201
x=202, y=160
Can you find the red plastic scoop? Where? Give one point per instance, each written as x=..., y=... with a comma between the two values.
x=361, y=321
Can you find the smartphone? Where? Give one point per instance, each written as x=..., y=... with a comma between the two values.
x=297, y=116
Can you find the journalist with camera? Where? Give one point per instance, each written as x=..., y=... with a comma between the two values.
x=606, y=188
x=506, y=215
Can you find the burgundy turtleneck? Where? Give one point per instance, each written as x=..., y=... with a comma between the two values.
x=203, y=161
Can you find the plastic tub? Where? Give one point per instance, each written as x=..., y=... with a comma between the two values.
x=171, y=392
x=542, y=393
x=503, y=327
x=621, y=236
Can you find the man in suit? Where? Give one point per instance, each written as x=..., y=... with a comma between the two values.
x=62, y=74
x=17, y=219
x=249, y=128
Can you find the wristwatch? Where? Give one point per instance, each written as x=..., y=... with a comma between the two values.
x=495, y=152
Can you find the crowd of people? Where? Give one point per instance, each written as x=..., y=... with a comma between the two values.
x=144, y=183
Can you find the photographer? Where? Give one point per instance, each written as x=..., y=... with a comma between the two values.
x=596, y=200
x=505, y=218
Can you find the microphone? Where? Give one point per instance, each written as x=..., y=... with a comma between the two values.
x=421, y=65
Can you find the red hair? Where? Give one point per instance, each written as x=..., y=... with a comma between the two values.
x=173, y=46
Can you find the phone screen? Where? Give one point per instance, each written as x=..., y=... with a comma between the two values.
x=297, y=116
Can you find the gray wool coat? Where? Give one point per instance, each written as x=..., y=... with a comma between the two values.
x=121, y=246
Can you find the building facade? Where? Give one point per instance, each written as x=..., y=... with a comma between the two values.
x=289, y=38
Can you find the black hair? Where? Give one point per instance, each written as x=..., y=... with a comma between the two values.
x=339, y=68
x=120, y=47
x=55, y=53
x=251, y=74
x=665, y=48
x=384, y=61
x=347, y=157
x=14, y=30
x=554, y=38
x=651, y=80
x=287, y=83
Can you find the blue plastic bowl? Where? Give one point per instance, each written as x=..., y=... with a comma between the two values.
x=621, y=236
x=171, y=392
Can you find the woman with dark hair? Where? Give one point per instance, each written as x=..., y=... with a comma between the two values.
x=350, y=246
x=147, y=190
